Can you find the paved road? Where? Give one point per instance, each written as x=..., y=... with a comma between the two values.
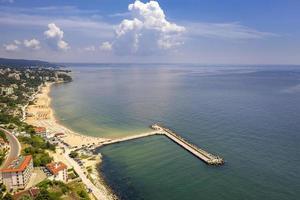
x=99, y=193
x=15, y=147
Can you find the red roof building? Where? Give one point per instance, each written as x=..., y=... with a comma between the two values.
x=58, y=170
x=32, y=192
x=17, y=174
x=40, y=130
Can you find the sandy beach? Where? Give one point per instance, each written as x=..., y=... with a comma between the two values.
x=41, y=114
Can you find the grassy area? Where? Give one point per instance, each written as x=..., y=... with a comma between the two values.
x=3, y=136
x=2, y=155
x=37, y=146
x=2, y=150
x=83, y=156
x=56, y=190
x=72, y=174
x=78, y=190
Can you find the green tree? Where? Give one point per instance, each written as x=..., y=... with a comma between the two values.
x=73, y=154
x=8, y=197
x=43, y=195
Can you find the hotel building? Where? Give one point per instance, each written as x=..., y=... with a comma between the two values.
x=17, y=174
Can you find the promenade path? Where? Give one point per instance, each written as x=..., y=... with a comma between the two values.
x=99, y=193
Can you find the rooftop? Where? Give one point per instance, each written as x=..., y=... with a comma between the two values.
x=18, y=165
x=40, y=129
x=58, y=134
x=55, y=167
x=32, y=192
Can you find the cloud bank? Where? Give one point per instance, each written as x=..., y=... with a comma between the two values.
x=232, y=31
x=16, y=45
x=11, y=47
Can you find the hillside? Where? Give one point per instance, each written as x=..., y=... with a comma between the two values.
x=25, y=63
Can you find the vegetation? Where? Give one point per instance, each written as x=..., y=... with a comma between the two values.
x=24, y=63
x=2, y=150
x=2, y=155
x=73, y=154
x=19, y=81
x=3, y=136
x=23, y=83
x=37, y=146
x=56, y=190
x=72, y=174
x=3, y=193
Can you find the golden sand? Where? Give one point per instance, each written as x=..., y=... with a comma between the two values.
x=41, y=115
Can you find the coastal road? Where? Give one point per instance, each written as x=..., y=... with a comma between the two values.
x=15, y=147
x=99, y=193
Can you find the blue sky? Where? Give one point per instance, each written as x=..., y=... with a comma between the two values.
x=196, y=31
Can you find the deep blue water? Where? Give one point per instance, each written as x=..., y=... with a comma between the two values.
x=249, y=115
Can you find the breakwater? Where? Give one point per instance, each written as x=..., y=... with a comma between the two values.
x=203, y=155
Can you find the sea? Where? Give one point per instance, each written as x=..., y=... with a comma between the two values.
x=247, y=114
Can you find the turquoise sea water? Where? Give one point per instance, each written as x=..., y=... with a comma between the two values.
x=249, y=115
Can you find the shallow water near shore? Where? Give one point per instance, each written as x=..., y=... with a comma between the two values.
x=249, y=115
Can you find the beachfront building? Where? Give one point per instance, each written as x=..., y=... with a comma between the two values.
x=17, y=174
x=58, y=170
x=41, y=131
x=59, y=135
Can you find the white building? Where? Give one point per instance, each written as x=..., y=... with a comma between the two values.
x=6, y=90
x=17, y=174
x=58, y=170
x=14, y=75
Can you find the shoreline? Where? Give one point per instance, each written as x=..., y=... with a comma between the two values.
x=41, y=114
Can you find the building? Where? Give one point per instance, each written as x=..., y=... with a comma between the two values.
x=58, y=170
x=6, y=91
x=14, y=75
x=40, y=131
x=59, y=135
x=17, y=174
x=32, y=192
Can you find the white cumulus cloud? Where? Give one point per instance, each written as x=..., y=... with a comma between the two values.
x=147, y=32
x=63, y=45
x=17, y=42
x=106, y=46
x=10, y=47
x=33, y=43
x=55, y=34
x=14, y=46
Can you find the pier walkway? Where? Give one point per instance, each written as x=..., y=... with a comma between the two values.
x=133, y=137
x=160, y=130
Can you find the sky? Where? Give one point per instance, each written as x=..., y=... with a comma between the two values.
x=162, y=31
